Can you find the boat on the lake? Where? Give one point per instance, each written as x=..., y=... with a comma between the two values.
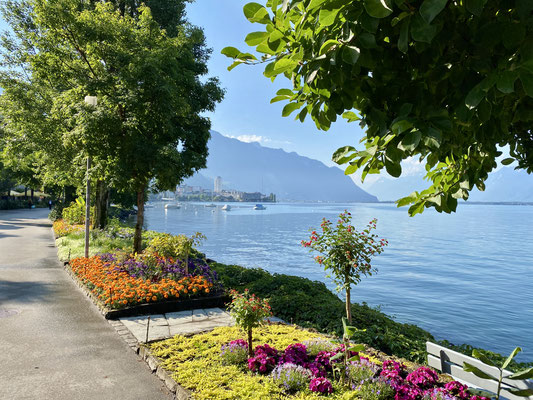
x=259, y=207
x=211, y=205
x=226, y=207
x=172, y=206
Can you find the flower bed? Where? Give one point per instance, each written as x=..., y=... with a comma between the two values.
x=296, y=364
x=133, y=280
x=62, y=228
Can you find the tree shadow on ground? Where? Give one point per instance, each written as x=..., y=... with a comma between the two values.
x=25, y=292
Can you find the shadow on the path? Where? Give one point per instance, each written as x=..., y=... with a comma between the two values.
x=3, y=235
x=25, y=292
x=9, y=226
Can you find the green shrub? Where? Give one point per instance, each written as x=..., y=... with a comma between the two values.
x=75, y=213
x=312, y=305
x=176, y=246
x=10, y=204
x=57, y=212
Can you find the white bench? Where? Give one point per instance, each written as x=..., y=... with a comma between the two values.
x=451, y=362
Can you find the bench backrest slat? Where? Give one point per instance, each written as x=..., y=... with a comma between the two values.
x=451, y=362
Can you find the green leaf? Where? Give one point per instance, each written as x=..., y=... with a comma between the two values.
x=513, y=35
x=234, y=64
x=401, y=126
x=367, y=40
x=416, y=209
x=341, y=153
x=482, y=357
x=282, y=65
x=358, y=347
x=350, y=169
x=289, y=108
x=230, y=52
x=421, y=31
x=393, y=168
x=315, y=4
x=403, y=40
x=480, y=392
x=431, y=8
x=516, y=350
x=524, y=374
x=255, y=38
x=507, y=161
x=378, y=8
x=278, y=98
x=350, y=54
x=328, y=44
x=475, y=6
x=407, y=200
x=526, y=78
x=255, y=12
x=326, y=17
x=350, y=116
x=505, y=81
x=410, y=141
x=476, y=371
x=432, y=138
x=285, y=92
x=521, y=392
x=474, y=97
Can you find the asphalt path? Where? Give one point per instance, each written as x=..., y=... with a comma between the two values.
x=54, y=343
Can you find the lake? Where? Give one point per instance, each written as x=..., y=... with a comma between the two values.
x=466, y=277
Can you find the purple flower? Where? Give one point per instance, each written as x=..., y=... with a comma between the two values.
x=457, y=389
x=264, y=360
x=407, y=392
x=234, y=352
x=423, y=377
x=291, y=376
x=295, y=354
x=321, y=385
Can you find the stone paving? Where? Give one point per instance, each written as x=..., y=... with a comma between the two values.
x=163, y=326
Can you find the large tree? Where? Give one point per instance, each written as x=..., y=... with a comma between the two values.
x=448, y=82
x=147, y=124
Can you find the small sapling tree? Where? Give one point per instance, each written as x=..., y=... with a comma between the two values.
x=345, y=252
x=249, y=312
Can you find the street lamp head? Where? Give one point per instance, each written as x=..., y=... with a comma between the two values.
x=91, y=100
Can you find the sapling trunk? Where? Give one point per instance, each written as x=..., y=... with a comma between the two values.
x=348, y=297
x=250, y=351
x=137, y=239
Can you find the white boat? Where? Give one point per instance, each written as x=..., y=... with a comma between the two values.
x=259, y=207
x=171, y=206
x=168, y=199
x=211, y=205
x=226, y=207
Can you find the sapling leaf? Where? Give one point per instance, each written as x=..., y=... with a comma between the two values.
x=522, y=392
x=511, y=356
x=524, y=374
x=482, y=357
x=477, y=372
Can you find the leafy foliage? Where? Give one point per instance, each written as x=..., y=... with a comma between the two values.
x=445, y=82
x=74, y=214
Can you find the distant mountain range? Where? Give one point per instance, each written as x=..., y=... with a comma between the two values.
x=250, y=167
x=503, y=185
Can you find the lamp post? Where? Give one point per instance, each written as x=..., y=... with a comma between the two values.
x=93, y=101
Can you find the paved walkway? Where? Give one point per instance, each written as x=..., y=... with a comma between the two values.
x=163, y=326
x=54, y=344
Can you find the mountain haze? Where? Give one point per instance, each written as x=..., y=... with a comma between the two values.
x=251, y=167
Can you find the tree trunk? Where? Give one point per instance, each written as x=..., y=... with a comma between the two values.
x=348, y=299
x=70, y=194
x=25, y=193
x=102, y=197
x=137, y=239
x=32, y=195
x=250, y=347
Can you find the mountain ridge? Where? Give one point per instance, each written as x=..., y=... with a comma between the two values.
x=251, y=167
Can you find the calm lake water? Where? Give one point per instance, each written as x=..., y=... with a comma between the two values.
x=465, y=277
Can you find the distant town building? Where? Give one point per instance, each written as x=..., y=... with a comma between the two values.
x=218, y=184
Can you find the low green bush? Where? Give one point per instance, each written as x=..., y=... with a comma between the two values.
x=75, y=212
x=311, y=304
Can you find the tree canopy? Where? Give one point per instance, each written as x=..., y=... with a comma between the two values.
x=447, y=82
x=147, y=124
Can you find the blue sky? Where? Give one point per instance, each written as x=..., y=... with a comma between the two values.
x=246, y=111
